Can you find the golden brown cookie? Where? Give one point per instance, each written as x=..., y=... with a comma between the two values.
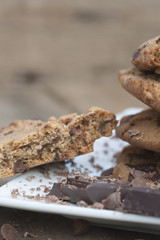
x=137, y=165
x=143, y=85
x=25, y=143
x=141, y=130
x=147, y=56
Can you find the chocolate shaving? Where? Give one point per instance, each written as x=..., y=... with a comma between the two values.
x=113, y=201
x=136, y=55
x=30, y=178
x=15, y=193
x=45, y=172
x=9, y=232
x=26, y=234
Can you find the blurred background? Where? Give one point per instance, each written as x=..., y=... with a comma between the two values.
x=62, y=56
x=58, y=56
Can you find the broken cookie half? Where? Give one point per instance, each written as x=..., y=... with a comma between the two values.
x=25, y=144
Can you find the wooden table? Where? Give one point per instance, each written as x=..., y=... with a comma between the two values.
x=58, y=57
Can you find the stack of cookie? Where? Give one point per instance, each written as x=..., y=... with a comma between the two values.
x=142, y=159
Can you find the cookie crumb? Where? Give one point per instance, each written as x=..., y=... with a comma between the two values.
x=51, y=199
x=82, y=204
x=15, y=193
x=97, y=205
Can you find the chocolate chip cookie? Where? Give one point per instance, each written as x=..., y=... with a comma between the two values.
x=25, y=143
x=141, y=130
x=138, y=166
x=143, y=85
x=147, y=56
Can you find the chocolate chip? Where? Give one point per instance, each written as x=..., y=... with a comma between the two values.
x=135, y=55
x=7, y=133
x=72, y=131
x=102, y=126
x=67, y=121
x=55, y=140
x=57, y=158
x=19, y=167
x=80, y=227
x=158, y=40
x=85, y=122
x=48, y=145
x=9, y=232
x=130, y=177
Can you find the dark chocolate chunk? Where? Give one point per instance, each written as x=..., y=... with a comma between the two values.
x=142, y=200
x=75, y=190
x=9, y=232
x=19, y=167
x=112, y=193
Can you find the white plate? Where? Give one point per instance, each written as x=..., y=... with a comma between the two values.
x=35, y=182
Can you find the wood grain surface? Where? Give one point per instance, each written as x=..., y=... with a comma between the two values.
x=58, y=57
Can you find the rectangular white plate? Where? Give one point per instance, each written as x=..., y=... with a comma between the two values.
x=33, y=182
